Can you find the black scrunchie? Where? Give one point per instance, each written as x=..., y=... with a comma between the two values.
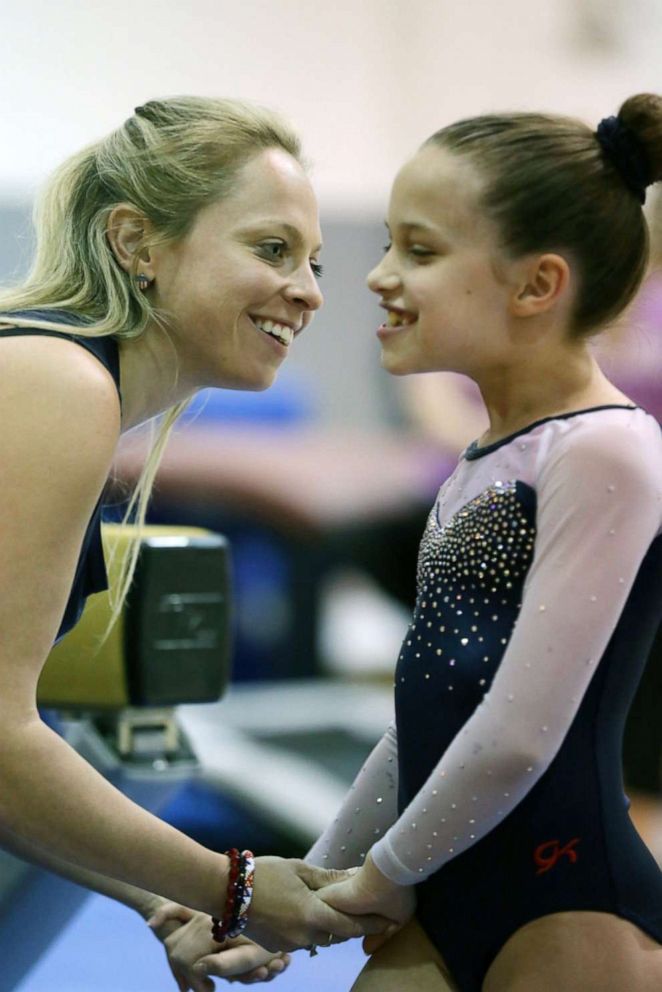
x=627, y=154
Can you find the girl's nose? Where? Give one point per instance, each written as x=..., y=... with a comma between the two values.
x=382, y=278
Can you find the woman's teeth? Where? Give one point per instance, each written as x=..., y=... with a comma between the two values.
x=281, y=332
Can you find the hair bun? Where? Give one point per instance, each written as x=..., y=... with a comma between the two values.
x=642, y=115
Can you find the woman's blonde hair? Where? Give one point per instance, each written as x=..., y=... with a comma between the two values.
x=171, y=158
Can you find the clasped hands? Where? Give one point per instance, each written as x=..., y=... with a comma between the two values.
x=294, y=905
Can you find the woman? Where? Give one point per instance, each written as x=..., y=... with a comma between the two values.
x=178, y=253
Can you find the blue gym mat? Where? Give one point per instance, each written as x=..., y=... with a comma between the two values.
x=107, y=948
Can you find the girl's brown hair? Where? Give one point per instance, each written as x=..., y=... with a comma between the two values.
x=550, y=186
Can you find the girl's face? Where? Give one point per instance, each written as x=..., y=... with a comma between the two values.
x=446, y=306
x=242, y=284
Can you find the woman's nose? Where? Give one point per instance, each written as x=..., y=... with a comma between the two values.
x=305, y=290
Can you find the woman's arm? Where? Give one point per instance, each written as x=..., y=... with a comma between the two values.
x=59, y=424
x=185, y=934
x=143, y=902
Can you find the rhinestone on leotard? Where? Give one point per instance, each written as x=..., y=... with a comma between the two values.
x=471, y=570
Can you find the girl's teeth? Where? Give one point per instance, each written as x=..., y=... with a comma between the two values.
x=395, y=319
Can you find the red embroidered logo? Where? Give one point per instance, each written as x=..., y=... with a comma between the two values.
x=546, y=855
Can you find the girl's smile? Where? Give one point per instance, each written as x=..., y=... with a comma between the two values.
x=437, y=280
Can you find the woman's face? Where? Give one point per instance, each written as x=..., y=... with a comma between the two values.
x=242, y=284
x=445, y=305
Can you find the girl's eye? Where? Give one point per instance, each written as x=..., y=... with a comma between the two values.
x=318, y=269
x=417, y=250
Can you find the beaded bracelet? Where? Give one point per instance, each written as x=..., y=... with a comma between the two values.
x=240, y=892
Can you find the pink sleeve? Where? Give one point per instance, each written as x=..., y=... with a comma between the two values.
x=369, y=809
x=599, y=508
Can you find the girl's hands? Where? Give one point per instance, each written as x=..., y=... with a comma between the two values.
x=287, y=912
x=193, y=954
x=366, y=890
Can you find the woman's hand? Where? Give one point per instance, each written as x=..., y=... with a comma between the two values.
x=193, y=954
x=367, y=890
x=287, y=912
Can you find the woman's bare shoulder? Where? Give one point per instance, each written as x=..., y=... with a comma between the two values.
x=56, y=362
x=52, y=387
x=59, y=425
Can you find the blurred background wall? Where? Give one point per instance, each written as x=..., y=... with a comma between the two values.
x=365, y=82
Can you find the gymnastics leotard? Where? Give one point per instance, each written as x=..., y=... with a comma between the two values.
x=90, y=575
x=499, y=790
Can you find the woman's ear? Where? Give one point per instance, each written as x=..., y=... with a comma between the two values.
x=543, y=283
x=126, y=230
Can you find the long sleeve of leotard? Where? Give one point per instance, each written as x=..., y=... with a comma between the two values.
x=598, y=510
x=369, y=809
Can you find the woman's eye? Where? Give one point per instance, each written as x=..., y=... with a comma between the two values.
x=388, y=247
x=420, y=252
x=273, y=249
x=318, y=269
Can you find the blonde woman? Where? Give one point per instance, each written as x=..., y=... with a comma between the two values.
x=180, y=252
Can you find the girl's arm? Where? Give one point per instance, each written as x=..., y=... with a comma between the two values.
x=369, y=809
x=599, y=509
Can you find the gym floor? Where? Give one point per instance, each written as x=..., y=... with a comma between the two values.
x=107, y=948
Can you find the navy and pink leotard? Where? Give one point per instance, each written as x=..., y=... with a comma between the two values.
x=498, y=792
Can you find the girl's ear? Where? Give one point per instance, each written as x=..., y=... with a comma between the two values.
x=543, y=284
x=126, y=230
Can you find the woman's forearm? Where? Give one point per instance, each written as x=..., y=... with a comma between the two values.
x=55, y=801
x=145, y=903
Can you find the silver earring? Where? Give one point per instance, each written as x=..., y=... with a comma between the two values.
x=143, y=281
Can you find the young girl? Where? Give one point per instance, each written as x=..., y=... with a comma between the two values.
x=497, y=796
x=514, y=239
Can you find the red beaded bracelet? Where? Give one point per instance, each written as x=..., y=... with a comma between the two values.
x=239, y=894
